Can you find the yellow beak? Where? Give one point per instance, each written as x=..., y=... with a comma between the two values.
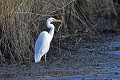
x=57, y=20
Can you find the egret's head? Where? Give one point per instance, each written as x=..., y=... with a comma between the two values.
x=50, y=20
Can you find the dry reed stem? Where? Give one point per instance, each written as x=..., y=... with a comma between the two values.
x=22, y=21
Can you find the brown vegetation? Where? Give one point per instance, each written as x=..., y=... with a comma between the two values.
x=21, y=21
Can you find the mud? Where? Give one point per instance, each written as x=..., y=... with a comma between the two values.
x=101, y=62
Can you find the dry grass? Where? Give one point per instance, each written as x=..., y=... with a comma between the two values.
x=21, y=21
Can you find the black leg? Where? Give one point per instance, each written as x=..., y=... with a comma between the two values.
x=45, y=62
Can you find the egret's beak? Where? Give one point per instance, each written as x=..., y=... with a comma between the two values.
x=57, y=20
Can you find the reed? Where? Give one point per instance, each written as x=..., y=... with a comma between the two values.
x=21, y=21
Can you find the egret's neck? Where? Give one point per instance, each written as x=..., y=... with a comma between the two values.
x=51, y=32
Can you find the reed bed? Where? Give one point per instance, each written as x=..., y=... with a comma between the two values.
x=21, y=21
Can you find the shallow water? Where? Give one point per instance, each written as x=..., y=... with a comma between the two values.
x=113, y=47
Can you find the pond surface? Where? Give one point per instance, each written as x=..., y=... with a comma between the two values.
x=82, y=64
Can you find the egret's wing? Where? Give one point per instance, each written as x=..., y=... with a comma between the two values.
x=40, y=46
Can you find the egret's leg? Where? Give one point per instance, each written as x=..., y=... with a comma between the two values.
x=45, y=57
x=45, y=62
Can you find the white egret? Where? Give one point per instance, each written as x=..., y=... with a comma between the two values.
x=43, y=41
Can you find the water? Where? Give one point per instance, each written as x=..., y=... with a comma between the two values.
x=113, y=47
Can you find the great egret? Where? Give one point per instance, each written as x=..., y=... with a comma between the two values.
x=43, y=41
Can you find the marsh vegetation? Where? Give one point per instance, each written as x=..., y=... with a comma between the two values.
x=88, y=25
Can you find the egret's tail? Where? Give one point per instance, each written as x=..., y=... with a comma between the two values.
x=37, y=58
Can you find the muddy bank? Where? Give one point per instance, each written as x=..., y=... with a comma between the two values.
x=86, y=62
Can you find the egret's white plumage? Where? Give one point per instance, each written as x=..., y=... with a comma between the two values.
x=43, y=42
